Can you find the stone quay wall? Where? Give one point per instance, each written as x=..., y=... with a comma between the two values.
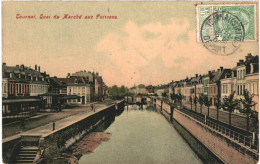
x=59, y=140
x=221, y=147
x=10, y=147
x=208, y=144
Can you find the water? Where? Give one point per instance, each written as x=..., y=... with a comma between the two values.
x=142, y=136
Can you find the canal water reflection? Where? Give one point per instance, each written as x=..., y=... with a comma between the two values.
x=141, y=136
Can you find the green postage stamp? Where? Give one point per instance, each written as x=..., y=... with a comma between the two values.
x=226, y=23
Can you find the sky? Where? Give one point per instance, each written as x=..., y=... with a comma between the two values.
x=150, y=42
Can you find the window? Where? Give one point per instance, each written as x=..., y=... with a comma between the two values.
x=4, y=88
x=257, y=88
x=83, y=89
x=253, y=88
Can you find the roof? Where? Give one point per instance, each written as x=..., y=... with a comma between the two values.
x=23, y=74
x=218, y=75
x=72, y=80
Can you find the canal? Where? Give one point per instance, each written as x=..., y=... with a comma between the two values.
x=141, y=136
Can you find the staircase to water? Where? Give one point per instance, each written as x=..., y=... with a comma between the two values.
x=26, y=154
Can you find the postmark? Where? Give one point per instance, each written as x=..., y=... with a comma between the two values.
x=222, y=28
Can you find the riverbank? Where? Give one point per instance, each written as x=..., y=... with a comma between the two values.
x=57, y=136
x=209, y=139
x=43, y=119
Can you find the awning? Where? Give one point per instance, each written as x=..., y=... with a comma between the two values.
x=69, y=97
x=12, y=101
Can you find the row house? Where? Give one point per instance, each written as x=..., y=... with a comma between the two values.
x=20, y=81
x=95, y=80
x=78, y=86
x=21, y=87
x=252, y=78
x=222, y=82
x=214, y=91
x=228, y=83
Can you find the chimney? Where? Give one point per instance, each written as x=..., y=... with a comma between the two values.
x=55, y=76
x=35, y=67
x=39, y=68
x=249, y=57
x=68, y=75
x=196, y=75
x=44, y=72
x=22, y=67
x=241, y=61
x=251, y=68
x=221, y=68
x=4, y=64
x=209, y=72
x=218, y=70
x=17, y=66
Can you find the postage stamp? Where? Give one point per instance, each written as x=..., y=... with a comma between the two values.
x=221, y=28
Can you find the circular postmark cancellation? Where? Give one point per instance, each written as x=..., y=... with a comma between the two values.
x=222, y=33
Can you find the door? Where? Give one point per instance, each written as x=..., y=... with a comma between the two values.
x=83, y=99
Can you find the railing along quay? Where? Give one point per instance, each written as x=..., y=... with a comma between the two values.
x=241, y=139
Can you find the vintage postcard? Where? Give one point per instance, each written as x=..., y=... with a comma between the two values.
x=134, y=82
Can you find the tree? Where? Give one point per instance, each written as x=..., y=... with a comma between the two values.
x=255, y=121
x=218, y=105
x=248, y=103
x=195, y=101
x=201, y=101
x=207, y=102
x=164, y=94
x=173, y=97
x=122, y=90
x=230, y=104
x=190, y=103
x=113, y=91
x=179, y=98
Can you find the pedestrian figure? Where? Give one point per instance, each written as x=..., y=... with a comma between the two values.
x=22, y=123
x=92, y=106
x=53, y=126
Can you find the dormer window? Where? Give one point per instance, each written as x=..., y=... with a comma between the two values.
x=76, y=81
